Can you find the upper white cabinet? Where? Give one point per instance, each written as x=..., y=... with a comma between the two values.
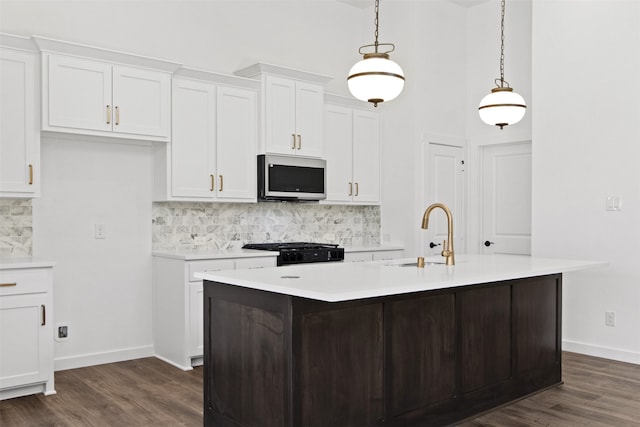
x=212, y=156
x=292, y=103
x=19, y=118
x=104, y=93
x=352, y=151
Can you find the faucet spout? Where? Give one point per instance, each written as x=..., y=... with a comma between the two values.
x=447, y=250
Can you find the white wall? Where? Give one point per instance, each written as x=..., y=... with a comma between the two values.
x=586, y=146
x=102, y=287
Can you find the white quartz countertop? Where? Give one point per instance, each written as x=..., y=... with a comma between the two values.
x=334, y=282
x=7, y=263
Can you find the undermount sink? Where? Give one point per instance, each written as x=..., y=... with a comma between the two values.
x=415, y=264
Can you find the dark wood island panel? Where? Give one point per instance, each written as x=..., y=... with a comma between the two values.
x=419, y=359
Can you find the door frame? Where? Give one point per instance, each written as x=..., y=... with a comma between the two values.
x=474, y=182
x=421, y=203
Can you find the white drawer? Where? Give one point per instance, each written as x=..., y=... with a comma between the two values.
x=209, y=265
x=262, y=262
x=25, y=281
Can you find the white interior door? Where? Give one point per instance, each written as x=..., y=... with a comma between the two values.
x=444, y=184
x=506, y=199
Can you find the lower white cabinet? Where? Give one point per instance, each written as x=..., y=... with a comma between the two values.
x=178, y=304
x=372, y=255
x=26, y=332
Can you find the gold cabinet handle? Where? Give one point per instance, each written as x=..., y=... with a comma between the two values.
x=4, y=285
x=44, y=315
x=357, y=189
x=30, y=174
x=299, y=141
x=117, y=115
x=213, y=183
x=351, y=188
x=108, y=114
x=293, y=136
x=221, y=179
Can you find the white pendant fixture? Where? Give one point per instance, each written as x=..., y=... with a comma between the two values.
x=502, y=106
x=376, y=78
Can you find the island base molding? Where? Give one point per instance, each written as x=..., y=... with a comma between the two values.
x=426, y=358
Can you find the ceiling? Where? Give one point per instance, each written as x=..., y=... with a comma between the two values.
x=366, y=3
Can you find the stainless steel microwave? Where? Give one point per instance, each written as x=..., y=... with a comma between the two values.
x=291, y=178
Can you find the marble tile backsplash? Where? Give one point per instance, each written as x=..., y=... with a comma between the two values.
x=16, y=227
x=179, y=225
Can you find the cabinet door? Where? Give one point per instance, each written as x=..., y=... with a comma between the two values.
x=309, y=123
x=24, y=353
x=280, y=116
x=196, y=319
x=366, y=157
x=236, y=144
x=142, y=101
x=337, y=147
x=77, y=94
x=19, y=132
x=193, y=144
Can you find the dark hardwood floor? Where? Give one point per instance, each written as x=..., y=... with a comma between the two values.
x=149, y=392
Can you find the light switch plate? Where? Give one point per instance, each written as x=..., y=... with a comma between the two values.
x=614, y=203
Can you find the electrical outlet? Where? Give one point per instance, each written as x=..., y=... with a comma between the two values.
x=199, y=240
x=610, y=318
x=100, y=231
x=330, y=237
x=62, y=332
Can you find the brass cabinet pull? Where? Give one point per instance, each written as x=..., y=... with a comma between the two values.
x=4, y=285
x=299, y=141
x=117, y=115
x=30, y=174
x=351, y=188
x=221, y=182
x=293, y=136
x=213, y=183
x=44, y=315
x=357, y=189
x=108, y=114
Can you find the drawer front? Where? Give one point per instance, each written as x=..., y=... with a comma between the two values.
x=25, y=281
x=262, y=262
x=208, y=265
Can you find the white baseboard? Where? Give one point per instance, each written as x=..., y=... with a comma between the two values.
x=72, y=362
x=164, y=359
x=604, y=352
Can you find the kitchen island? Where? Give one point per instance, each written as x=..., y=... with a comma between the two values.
x=380, y=343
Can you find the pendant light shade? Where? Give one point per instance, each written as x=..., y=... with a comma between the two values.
x=503, y=106
x=376, y=78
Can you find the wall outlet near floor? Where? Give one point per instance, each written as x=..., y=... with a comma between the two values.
x=610, y=318
x=199, y=240
x=100, y=231
x=62, y=332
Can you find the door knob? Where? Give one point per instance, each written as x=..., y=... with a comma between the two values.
x=433, y=245
x=488, y=243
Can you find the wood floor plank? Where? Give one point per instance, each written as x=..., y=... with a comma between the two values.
x=148, y=392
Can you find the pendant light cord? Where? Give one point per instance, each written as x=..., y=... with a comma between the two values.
x=502, y=45
x=377, y=10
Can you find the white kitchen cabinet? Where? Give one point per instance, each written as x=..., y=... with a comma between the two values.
x=178, y=303
x=93, y=91
x=212, y=156
x=19, y=118
x=370, y=254
x=291, y=109
x=352, y=151
x=26, y=332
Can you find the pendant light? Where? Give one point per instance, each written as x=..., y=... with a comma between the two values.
x=376, y=78
x=502, y=106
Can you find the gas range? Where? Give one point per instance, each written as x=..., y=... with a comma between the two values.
x=301, y=252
